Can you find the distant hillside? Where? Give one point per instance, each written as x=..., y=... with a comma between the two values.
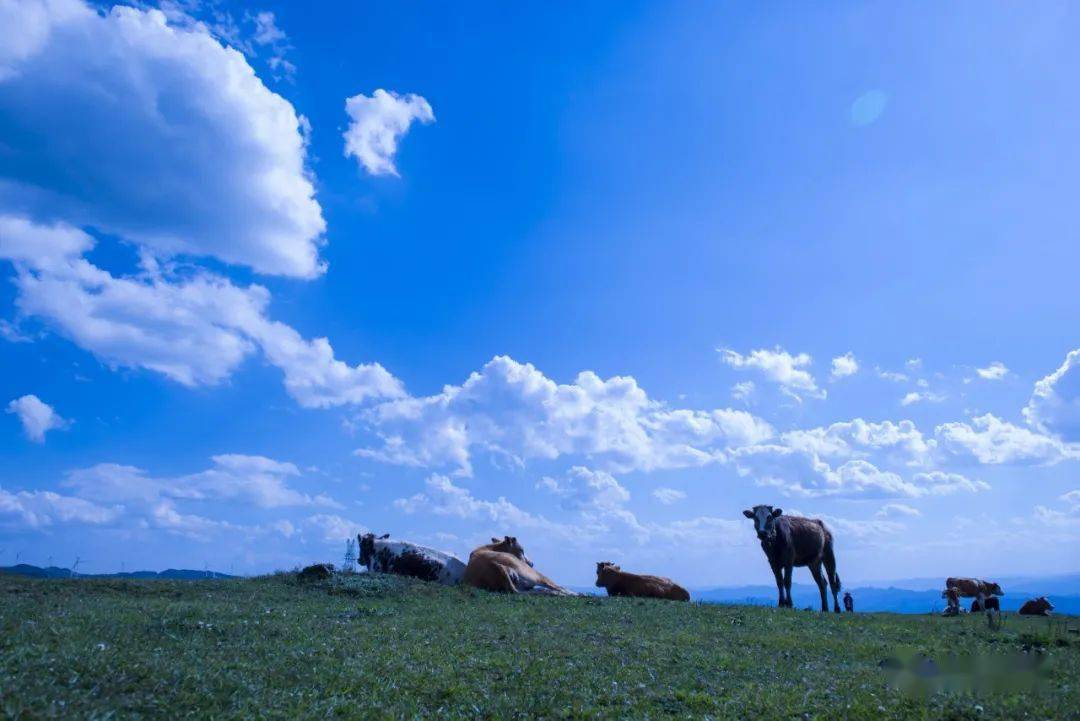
x=172, y=574
x=896, y=600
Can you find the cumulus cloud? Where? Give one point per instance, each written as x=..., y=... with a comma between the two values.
x=256, y=480
x=743, y=390
x=777, y=365
x=897, y=510
x=844, y=366
x=513, y=412
x=442, y=497
x=36, y=416
x=155, y=133
x=993, y=372
x=991, y=440
x=377, y=123
x=587, y=489
x=668, y=496
x=331, y=528
x=1054, y=407
x=800, y=470
x=195, y=328
x=41, y=509
x=921, y=397
x=859, y=438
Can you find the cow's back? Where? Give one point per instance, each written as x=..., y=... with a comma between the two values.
x=967, y=587
x=807, y=537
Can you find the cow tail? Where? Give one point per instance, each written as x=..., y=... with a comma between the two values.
x=830, y=562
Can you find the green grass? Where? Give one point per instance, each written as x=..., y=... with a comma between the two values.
x=386, y=647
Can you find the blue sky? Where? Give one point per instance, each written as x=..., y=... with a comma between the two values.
x=598, y=279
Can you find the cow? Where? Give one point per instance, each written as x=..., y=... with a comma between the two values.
x=493, y=569
x=972, y=587
x=849, y=602
x=316, y=572
x=382, y=555
x=986, y=603
x=790, y=541
x=1040, y=606
x=508, y=544
x=621, y=583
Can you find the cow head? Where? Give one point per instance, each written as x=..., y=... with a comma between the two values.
x=367, y=547
x=604, y=569
x=764, y=518
x=1044, y=604
x=993, y=589
x=509, y=544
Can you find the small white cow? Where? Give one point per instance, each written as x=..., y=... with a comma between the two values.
x=382, y=555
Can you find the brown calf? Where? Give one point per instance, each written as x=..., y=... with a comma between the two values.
x=790, y=541
x=1040, y=606
x=506, y=572
x=621, y=583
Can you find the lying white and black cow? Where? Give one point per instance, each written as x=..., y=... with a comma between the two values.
x=382, y=555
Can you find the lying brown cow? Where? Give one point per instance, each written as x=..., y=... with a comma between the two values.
x=1040, y=606
x=503, y=566
x=621, y=583
x=972, y=587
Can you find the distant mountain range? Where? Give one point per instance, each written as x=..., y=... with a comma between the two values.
x=173, y=574
x=915, y=595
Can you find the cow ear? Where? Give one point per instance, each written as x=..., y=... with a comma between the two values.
x=748, y=513
x=776, y=512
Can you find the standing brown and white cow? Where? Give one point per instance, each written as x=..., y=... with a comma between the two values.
x=796, y=541
x=972, y=587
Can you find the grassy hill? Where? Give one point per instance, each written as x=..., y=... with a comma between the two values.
x=385, y=647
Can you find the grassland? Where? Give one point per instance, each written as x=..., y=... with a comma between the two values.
x=385, y=647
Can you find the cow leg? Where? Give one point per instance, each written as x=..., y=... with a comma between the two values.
x=815, y=571
x=787, y=586
x=779, y=585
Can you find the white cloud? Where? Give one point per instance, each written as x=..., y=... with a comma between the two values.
x=858, y=438
x=1054, y=407
x=41, y=509
x=587, y=489
x=195, y=328
x=914, y=365
x=333, y=528
x=891, y=375
x=897, y=510
x=844, y=366
x=742, y=391
x=377, y=123
x=158, y=134
x=993, y=441
x=921, y=397
x=36, y=416
x=256, y=480
x=780, y=367
x=668, y=496
x=442, y=498
x=266, y=30
x=512, y=411
x=941, y=483
x=800, y=471
x=993, y=372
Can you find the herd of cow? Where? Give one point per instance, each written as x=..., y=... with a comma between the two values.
x=787, y=541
